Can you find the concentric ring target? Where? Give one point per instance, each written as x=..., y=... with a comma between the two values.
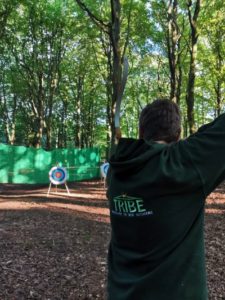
x=58, y=175
x=104, y=169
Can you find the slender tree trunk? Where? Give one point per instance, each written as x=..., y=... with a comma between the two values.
x=171, y=44
x=13, y=123
x=39, y=135
x=112, y=29
x=40, y=111
x=109, y=123
x=9, y=117
x=219, y=68
x=53, y=82
x=173, y=48
x=179, y=75
x=192, y=66
x=109, y=95
x=48, y=135
x=78, y=129
x=117, y=63
x=218, y=90
x=159, y=82
x=190, y=90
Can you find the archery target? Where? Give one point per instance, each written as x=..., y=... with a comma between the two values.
x=58, y=175
x=104, y=169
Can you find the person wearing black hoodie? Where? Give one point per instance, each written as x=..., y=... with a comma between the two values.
x=157, y=186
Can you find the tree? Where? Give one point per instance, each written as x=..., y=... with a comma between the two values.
x=174, y=51
x=112, y=29
x=38, y=52
x=212, y=53
x=192, y=17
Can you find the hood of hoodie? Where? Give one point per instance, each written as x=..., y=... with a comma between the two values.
x=132, y=154
x=164, y=167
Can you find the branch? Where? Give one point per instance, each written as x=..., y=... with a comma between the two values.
x=104, y=26
x=197, y=10
x=193, y=19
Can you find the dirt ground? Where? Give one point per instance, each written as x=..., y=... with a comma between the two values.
x=55, y=248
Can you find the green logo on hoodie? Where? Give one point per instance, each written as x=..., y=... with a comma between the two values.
x=129, y=206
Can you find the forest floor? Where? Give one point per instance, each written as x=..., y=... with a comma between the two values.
x=55, y=248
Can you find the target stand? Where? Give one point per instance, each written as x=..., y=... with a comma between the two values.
x=58, y=175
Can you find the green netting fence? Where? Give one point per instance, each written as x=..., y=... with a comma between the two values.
x=20, y=164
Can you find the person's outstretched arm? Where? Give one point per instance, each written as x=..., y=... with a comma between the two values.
x=206, y=149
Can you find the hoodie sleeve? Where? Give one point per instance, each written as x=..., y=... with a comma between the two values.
x=206, y=149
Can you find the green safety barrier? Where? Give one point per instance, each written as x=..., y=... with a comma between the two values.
x=20, y=164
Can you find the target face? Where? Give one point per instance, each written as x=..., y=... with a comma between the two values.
x=104, y=169
x=58, y=175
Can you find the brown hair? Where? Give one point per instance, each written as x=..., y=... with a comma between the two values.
x=160, y=120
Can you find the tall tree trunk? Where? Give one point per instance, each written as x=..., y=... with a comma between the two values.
x=190, y=91
x=219, y=68
x=53, y=83
x=179, y=75
x=112, y=29
x=218, y=90
x=109, y=124
x=39, y=134
x=40, y=111
x=107, y=46
x=78, y=129
x=117, y=63
x=173, y=37
x=9, y=117
x=48, y=135
x=13, y=123
x=192, y=66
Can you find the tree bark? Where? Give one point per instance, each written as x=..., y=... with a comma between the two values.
x=218, y=91
x=192, y=66
x=9, y=117
x=78, y=117
x=112, y=29
x=173, y=49
x=219, y=67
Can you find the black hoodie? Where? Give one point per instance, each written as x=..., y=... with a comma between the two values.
x=157, y=194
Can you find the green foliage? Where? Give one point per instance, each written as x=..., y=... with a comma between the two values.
x=55, y=68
